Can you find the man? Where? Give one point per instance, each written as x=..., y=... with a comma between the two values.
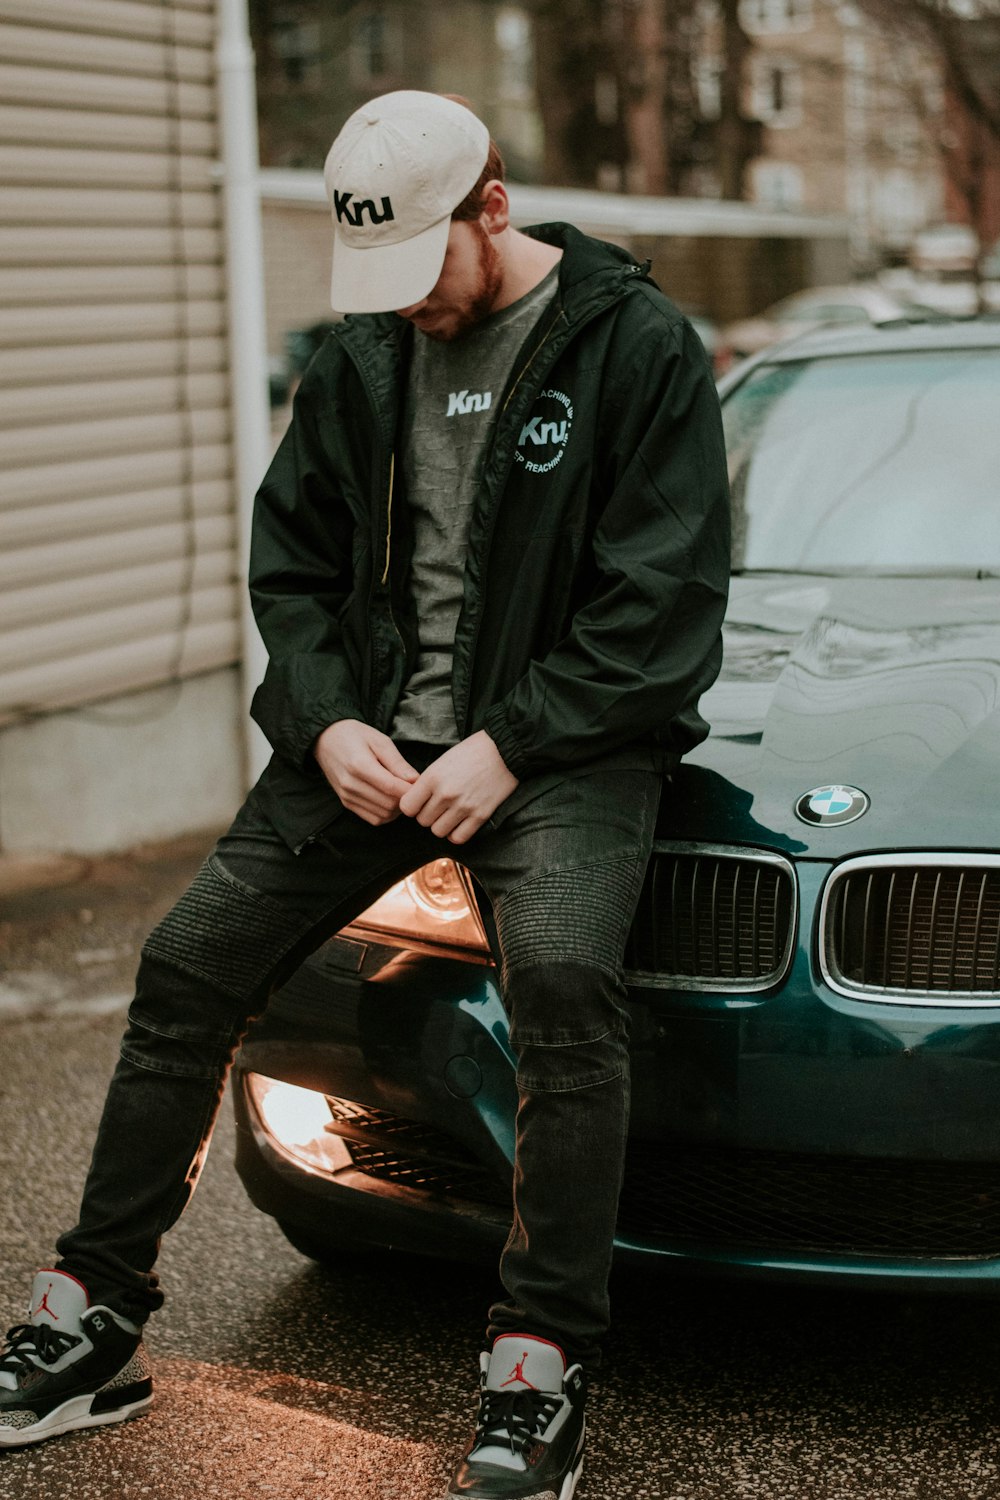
x=489, y=563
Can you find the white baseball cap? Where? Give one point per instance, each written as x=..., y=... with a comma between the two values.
x=394, y=174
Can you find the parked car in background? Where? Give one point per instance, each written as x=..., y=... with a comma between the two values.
x=814, y=968
x=817, y=307
x=947, y=272
x=990, y=263
x=709, y=334
x=947, y=251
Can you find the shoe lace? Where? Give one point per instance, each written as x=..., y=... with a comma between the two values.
x=520, y=1417
x=39, y=1340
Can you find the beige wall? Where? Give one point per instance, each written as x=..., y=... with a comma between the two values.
x=296, y=268
x=116, y=495
x=119, y=605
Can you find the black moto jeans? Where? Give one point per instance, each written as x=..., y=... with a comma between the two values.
x=562, y=870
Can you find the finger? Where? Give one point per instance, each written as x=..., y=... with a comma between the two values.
x=436, y=809
x=372, y=777
x=366, y=817
x=443, y=825
x=378, y=820
x=374, y=819
x=463, y=833
x=390, y=757
x=415, y=798
x=372, y=808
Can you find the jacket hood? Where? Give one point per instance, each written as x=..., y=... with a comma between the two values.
x=891, y=685
x=585, y=257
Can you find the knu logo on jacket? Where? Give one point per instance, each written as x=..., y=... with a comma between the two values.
x=545, y=434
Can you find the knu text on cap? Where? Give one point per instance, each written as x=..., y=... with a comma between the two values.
x=399, y=167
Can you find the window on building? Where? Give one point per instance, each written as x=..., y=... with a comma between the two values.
x=777, y=92
x=901, y=135
x=297, y=47
x=759, y=16
x=777, y=184
x=373, y=47
x=708, y=86
x=606, y=98
x=899, y=206
x=516, y=60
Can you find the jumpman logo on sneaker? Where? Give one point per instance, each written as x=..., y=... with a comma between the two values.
x=44, y=1306
x=517, y=1374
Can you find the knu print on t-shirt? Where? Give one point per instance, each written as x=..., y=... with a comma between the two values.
x=460, y=403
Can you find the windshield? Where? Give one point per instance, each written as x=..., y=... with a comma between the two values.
x=877, y=462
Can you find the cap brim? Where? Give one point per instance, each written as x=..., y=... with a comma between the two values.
x=384, y=278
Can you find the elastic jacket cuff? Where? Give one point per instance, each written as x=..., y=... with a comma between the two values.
x=511, y=752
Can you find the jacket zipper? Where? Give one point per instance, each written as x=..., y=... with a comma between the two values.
x=388, y=516
x=388, y=543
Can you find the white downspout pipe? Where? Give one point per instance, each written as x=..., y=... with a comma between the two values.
x=247, y=328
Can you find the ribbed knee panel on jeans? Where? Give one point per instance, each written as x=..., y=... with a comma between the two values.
x=206, y=970
x=579, y=915
x=561, y=937
x=231, y=935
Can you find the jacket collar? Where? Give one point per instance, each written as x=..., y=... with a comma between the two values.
x=591, y=271
x=592, y=274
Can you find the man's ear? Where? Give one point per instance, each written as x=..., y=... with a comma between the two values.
x=495, y=213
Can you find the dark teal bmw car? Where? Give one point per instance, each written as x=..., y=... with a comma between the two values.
x=815, y=964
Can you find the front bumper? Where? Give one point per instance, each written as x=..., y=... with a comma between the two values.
x=797, y=1134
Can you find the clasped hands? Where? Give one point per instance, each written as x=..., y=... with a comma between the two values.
x=453, y=798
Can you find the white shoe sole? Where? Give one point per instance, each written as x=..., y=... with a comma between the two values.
x=68, y=1417
x=570, y=1482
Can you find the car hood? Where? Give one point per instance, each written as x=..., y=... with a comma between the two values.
x=891, y=685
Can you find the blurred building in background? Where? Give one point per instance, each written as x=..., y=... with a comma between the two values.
x=120, y=601
x=862, y=109
x=845, y=114
x=972, y=135
x=318, y=60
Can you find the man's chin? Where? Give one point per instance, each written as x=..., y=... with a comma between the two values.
x=435, y=331
x=445, y=327
x=441, y=329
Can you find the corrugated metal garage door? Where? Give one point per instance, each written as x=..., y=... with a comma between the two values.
x=116, y=496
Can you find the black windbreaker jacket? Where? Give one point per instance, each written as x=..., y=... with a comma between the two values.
x=598, y=559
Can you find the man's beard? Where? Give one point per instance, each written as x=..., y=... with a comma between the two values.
x=457, y=319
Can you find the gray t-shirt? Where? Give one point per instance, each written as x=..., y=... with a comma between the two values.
x=451, y=405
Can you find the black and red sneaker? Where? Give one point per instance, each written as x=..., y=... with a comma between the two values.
x=70, y=1365
x=530, y=1430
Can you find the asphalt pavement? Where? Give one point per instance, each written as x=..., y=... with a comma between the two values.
x=277, y=1378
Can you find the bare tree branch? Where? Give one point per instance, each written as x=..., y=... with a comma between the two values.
x=950, y=30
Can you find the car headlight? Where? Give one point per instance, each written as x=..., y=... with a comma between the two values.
x=434, y=905
x=298, y=1120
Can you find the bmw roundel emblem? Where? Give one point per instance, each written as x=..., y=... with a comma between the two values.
x=830, y=805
